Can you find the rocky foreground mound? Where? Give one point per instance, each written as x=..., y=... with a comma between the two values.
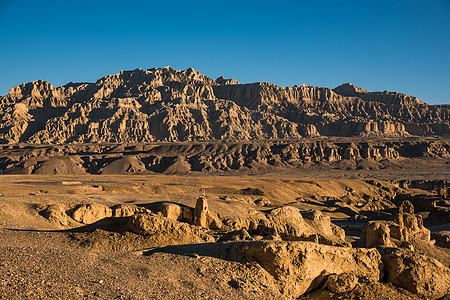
x=221, y=237
x=305, y=254
x=170, y=105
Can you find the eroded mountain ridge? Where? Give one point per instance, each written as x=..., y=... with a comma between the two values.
x=164, y=104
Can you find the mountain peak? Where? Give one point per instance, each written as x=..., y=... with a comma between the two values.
x=222, y=80
x=349, y=90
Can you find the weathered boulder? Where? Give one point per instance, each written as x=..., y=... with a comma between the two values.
x=166, y=230
x=410, y=227
x=322, y=224
x=171, y=211
x=289, y=224
x=174, y=211
x=56, y=213
x=341, y=283
x=126, y=210
x=256, y=224
x=417, y=273
x=299, y=267
x=90, y=213
x=406, y=207
x=237, y=235
x=148, y=224
x=376, y=233
x=288, y=221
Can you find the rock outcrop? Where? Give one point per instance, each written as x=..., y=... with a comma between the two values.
x=200, y=215
x=169, y=105
x=203, y=217
x=300, y=267
x=417, y=273
x=341, y=283
x=405, y=227
x=376, y=233
x=90, y=213
x=289, y=224
x=166, y=229
x=56, y=214
x=303, y=253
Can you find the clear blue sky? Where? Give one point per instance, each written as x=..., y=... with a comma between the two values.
x=378, y=45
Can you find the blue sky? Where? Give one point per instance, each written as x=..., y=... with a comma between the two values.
x=378, y=45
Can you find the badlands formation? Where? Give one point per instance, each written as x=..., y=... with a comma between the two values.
x=166, y=105
x=166, y=184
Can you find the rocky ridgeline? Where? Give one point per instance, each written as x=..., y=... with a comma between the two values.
x=169, y=105
x=180, y=158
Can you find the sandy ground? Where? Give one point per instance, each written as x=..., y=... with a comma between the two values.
x=40, y=260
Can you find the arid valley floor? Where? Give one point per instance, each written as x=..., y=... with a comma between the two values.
x=72, y=237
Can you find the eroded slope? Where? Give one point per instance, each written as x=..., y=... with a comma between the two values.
x=170, y=105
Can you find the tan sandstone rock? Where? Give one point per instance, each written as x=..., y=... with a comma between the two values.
x=56, y=214
x=299, y=267
x=417, y=273
x=405, y=227
x=171, y=211
x=341, y=283
x=183, y=105
x=289, y=224
x=125, y=210
x=323, y=226
x=90, y=213
x=376, y=233
x=288, y=221
x=166, y=230
x=203, y=217
x=148, y=224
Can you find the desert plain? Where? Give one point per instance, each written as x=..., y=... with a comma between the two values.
x=51, y=251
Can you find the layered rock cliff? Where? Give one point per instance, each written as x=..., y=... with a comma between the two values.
x=169, y=105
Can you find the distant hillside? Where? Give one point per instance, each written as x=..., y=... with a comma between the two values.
x=169, y=105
